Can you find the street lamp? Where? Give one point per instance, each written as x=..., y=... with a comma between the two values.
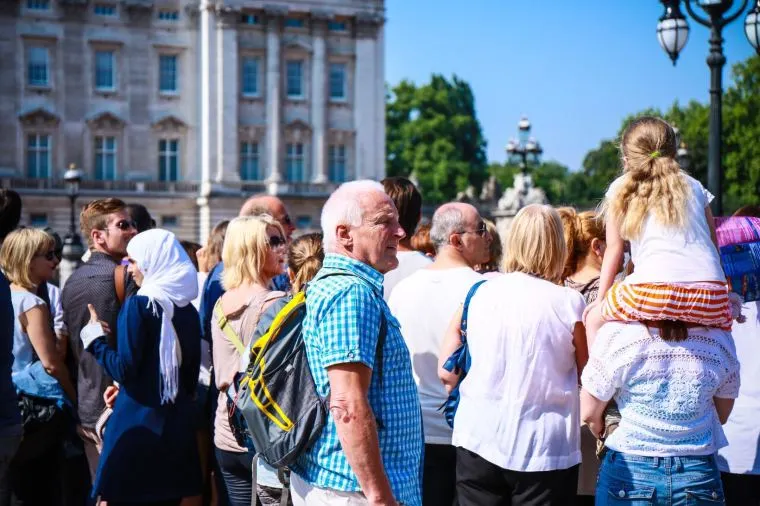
x=525, y=149
x=673, y=32
x=72, y=244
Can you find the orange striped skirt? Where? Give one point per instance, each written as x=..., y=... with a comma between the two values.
x=697, y=303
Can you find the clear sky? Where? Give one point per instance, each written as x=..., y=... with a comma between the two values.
x=575, y=68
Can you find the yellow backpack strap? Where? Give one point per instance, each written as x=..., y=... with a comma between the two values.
x=224, y=324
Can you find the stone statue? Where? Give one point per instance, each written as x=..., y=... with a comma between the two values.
x=521, y=194
x=491, y=191
x=467, y=196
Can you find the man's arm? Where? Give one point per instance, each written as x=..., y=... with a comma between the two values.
x=357, y=430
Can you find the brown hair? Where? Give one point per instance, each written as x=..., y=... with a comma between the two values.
x=18, y=250
x=191, y=248
x=408, y=202
x=495, y=249
x=535, y=243
x=94, y=216
x=580, y=229
x=751, y=210
x=421, y=240
x=652, y=182
x=305, y=257
x=215, y=243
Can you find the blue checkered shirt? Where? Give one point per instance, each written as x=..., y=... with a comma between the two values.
x=342, y=324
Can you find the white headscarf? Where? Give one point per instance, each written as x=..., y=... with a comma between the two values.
x=169, y=279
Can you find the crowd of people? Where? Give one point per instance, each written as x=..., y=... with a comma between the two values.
x=603, y=353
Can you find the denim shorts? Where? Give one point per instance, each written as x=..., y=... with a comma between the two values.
x=634, y=480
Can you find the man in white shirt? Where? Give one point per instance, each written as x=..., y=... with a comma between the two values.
x=424, y=304
x=408, y=202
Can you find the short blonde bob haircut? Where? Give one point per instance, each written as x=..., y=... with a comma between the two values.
x=246, y=245
x=536, y=243
x=19, y=249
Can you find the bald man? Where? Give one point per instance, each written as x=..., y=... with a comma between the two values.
x=269, y=204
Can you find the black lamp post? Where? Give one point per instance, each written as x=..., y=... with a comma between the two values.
x=673, y=32
x=525, y=149
x=72, y=244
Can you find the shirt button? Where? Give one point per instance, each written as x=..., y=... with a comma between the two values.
x=714, y=495
x=350, y=354
x=621, y=493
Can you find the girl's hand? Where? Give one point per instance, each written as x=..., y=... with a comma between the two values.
x=109, y=396
x=588, y=309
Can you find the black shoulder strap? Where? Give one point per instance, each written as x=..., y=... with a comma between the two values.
x=379, y=363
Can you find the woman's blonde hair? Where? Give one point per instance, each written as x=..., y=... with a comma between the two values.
x=580, y=229
x=305, y=257
x=246, y=246
x=652, y=181
x=495, y=249
x=535, y=243
x=18, y=250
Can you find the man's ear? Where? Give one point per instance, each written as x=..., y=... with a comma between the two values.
x=96, y=237
x=342, y=233
x=455, y=240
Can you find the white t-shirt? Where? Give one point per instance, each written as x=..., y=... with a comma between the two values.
x=54, y=295
x=519, y=406
x=664, y=389
x=671, y=255
x=742, y=455
x=424, y=304
x=408, y=262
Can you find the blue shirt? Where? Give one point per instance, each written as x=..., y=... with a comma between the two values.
x=342, y=325
x=212, y=290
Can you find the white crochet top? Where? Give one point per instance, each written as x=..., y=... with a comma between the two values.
x=664, y=390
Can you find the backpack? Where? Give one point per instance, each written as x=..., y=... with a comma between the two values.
x=277, y=396
x=459, y=361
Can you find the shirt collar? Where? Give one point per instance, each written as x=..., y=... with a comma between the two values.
x=99, y=256
x=334, y=262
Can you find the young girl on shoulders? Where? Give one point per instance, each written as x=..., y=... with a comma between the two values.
x=665, y=215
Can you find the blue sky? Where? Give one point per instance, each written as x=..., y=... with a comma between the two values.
x=576, y=68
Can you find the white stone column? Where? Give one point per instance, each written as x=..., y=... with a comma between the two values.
x=365, y=100
x=227, y=96
x=206, y=43
x=273, y=91
x=319, y=102
x=380, y=170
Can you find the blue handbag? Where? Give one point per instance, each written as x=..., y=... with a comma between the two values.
x=459, y=361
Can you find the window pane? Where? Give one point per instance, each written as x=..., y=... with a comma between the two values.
x=43, y=140
x=250, y=76
x=104, y=78
x=31, y=141
x=44, y=160
x=161, y=146
x=105, y=10
x=38, y=66
x=111, y=143
x=173, y=145
x=168, y=15
x=110, y=166
x=294, y=78
x=173, y=167
x=338, y=80
x=38, y=5
x=162, y=167
x=168, y=73
x=336, y=26
x=31, y=163
x=294, y=22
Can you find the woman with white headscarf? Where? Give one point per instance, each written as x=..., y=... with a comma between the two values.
x=149, y=450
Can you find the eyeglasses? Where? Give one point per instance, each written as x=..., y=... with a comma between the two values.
x=275, y=241
x=59, y=254
x=125, y=225
x=49, y=256
x=286, y=220
x=482, y=230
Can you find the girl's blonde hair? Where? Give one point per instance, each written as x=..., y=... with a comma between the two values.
x=653, y=182
x=495, y=249
x=580, y=229
x=246, y=246
x=18, y=250
x=535, y=243
x=305, y=257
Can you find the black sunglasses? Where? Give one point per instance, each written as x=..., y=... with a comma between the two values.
x=125, y=225
x=276, y=241
x=49, y=256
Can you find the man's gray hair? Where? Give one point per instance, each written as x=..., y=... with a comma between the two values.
x=344, y=207
x=447, y=220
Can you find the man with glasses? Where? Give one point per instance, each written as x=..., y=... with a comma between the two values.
x=424, y=304
x=108, y=229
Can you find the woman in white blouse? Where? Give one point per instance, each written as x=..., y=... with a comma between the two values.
x=517, y=427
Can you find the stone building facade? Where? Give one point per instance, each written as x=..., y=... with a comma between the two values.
x=187, y=107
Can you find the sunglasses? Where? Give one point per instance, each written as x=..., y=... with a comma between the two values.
x=276, y=241
x=482, y=230
x=286, y=220
x=125, y=225
x=49, y=256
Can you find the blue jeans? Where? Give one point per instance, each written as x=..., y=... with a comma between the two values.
x=634, y=480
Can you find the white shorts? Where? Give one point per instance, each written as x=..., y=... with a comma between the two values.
x=304, y=494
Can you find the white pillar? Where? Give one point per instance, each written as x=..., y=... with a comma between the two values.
x=365, y=100
x=227, y=96
x=206, y=97
x=319, y=102
x=273, y=90
x=380, y=170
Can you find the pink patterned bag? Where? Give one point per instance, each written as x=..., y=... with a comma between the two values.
x=737, y=229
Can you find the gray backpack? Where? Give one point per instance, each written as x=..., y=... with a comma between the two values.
x=276, y=394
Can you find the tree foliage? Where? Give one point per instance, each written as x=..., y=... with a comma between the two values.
x=433, y=134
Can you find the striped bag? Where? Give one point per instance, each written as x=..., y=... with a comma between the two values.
x=741, y=263
x=737, y=230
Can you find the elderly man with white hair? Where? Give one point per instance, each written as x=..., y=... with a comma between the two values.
x=370, y=452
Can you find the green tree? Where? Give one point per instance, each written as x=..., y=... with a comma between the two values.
x=432, y=132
